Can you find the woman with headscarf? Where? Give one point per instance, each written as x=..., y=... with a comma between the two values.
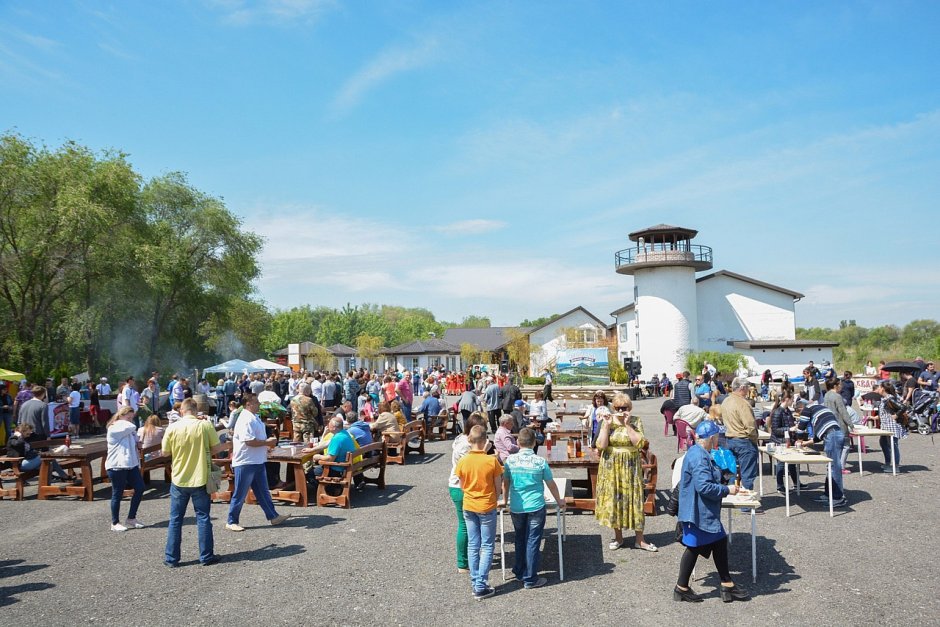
x=700, y=495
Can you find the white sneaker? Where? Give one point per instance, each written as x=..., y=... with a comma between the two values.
x=133, y=523
x=234, y=527
x=118, y=527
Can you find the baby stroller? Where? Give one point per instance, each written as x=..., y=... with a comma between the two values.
x=924, y=412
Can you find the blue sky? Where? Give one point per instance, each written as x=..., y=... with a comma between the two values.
x=490, y=158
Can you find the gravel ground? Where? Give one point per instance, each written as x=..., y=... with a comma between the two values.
x=390, y=559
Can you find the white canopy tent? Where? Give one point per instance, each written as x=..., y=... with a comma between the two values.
x=270, y=365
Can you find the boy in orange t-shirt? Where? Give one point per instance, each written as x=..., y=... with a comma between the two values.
x=481, y=480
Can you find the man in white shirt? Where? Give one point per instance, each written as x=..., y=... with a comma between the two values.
x=103, y=388
x=692, y=414
x=250, y=446
x=316, y=387
x=131, y=398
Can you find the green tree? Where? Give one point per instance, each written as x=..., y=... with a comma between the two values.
x=195, y=258
x=294, y=325
x=539, y=321
x=238, y=330
x=474, y=322
x=726, y=363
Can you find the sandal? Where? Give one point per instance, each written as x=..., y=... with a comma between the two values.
x=649, y=546
x=613, y=545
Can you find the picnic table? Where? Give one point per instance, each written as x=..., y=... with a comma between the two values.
x=295, y=462
x=80, y=455
x=558, y=458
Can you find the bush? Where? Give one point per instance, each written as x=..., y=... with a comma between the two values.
x=534, y=381
x=618, y=374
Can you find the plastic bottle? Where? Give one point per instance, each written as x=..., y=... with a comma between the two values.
x=548, y=441
x=68, y=441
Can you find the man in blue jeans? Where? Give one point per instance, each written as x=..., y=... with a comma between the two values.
x=741, y=430
x=188, y=441
x=524, y=473
x=250, y=444
x=825, y=428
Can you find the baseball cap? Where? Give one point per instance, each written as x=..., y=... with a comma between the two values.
x=519, y=404
x=706, y=429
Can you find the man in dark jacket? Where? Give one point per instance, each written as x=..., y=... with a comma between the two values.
x=508, y=395
x=682, y=393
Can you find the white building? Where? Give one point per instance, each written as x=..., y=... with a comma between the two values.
x=675, y=313
x=578, y=326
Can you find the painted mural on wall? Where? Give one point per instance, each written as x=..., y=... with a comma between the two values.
x=582, y=366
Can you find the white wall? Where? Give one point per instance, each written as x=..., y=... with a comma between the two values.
x=731, y=309
x=788, y=360
x=406, y=362
x=666, y=314
x=550, y=338
x=627, y=347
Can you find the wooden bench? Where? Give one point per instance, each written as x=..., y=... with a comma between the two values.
x=20, y=477
x=409, y=440
x=650, y=476
x=437, y=426
x=224, y=495
x=371, y=456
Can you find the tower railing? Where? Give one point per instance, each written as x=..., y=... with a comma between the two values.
x=692, y=253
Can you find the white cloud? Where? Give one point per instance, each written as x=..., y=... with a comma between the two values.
x=471, y=227
x=247, y=12
x=383, y=67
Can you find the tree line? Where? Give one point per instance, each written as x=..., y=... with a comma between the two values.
x=857, y=345
x=104, y=271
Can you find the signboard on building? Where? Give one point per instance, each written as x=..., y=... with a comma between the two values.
x=582, y=366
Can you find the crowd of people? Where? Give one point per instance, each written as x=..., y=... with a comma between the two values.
x=334, y=414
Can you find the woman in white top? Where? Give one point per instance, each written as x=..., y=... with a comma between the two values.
x=870, y=369
x=75, y=411
x=123, y=466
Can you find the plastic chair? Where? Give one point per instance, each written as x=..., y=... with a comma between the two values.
x=684, y=433
x=668, y=414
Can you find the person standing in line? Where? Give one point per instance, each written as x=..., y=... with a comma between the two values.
x=700, y=495
x=466, y=405
x=190, y=443
x=836, y=404
x=480, y=478
x=123, y=467
x=250, y=446
x=523, y=477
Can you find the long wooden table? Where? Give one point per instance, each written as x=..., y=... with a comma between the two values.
x=558, y=458
x=84, y=454
x=295, y=463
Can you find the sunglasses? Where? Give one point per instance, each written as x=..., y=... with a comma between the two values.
x=621, y=408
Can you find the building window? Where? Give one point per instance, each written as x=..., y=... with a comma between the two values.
x=414, y=364
x=589, y=335
x=623, y=333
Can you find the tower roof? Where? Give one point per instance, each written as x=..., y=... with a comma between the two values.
x=663, y=229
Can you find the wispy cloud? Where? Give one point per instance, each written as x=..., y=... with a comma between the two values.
x=116, y=51
x=470, y=227
x=384, y=66
x=247, y=12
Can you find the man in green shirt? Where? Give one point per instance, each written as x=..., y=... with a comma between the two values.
x=188, y=441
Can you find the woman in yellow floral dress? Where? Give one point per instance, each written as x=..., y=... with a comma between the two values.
x=620, y=474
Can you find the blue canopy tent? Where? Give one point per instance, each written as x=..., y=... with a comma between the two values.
x=234, y=365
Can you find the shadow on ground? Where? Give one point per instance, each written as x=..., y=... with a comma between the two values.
x=13, y=568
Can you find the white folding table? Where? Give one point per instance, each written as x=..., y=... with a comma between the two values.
x=564, y=491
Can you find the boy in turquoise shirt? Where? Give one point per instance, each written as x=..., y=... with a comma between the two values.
x=524, y=474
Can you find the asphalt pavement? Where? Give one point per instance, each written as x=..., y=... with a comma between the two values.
x=390, y=559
